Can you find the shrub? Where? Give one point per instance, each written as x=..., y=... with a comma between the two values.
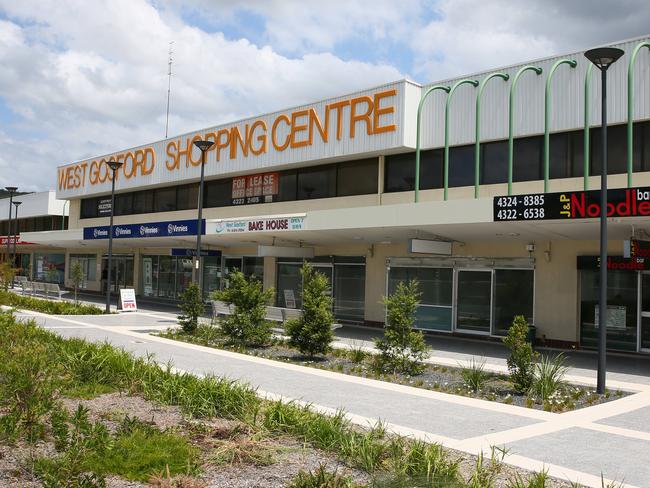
x=192, y=308
x=312, y=333
x=320, y=478
x=247, y=324
x=474, y=374
x=548, y=377
x=7, y=273
x=402, y=349
x=521, y=362
x=30, y=379
x=357, y=353
x=47, y=306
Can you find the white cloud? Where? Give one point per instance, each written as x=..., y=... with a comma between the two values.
x=471, y=35
x=91, y=79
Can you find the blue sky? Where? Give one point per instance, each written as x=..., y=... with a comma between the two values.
x=85, y=78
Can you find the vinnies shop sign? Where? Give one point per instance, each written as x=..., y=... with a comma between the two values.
x=173, y=159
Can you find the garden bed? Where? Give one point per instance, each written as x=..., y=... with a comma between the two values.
x=91, y=415
x=357, y=362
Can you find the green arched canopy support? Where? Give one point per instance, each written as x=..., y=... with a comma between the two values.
x=630, y=110
x=417, y=136
x=511, y=117
x=547, y=116
x=450, y=94
x=585, y=147
x=477, y=137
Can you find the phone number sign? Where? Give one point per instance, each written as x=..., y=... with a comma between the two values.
x=621, y=202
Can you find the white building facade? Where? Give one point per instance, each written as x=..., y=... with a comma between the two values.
x=333, y=182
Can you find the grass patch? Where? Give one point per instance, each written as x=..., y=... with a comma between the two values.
x=141, y=454
x=51, y=307
x=87, y=391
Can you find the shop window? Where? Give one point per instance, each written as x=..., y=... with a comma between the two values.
x=461, y=166
x=143, y=202
x=527, y=159
x=494, y=162
x=288, y=186
x=166, y=277
x=317, y=182
x=183, y=274
x=400, y=171
x=88, y=208
x=642, y=146
x=149, y=276
x=165, y=199
x=436, y=286
x=349, y=292
x=217, y=193
x=211, y=275
x=616, y=150
x=49, y=267
x=576, y=152
x=513, y=295
x=88, y=263
x=621, y=309
x=254, y=266
x=357, y=178
x=188, y=197
x=123, y=204
x=559, y=156
x=289, y=287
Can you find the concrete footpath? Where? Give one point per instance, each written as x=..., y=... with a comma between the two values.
x=611, y=439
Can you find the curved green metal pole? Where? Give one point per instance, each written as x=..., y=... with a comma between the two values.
x=547, y=115
x=511, y=117
x=474, y=83
x=417, y=137
x=477, y=137
x=630, y=110
x=585, y=148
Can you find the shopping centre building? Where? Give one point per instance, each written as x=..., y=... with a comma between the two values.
x=487, y=235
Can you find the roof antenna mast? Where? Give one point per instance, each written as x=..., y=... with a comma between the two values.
x=169, y=85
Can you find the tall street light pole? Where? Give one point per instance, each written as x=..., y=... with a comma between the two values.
x=198, y=275
x=12, y=191
x=603, y=58
x=114, y=166
x=15, y=261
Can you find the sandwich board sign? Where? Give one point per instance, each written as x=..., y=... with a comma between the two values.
x=127, y=298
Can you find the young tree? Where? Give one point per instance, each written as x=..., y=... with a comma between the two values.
x=521, y=362
x=312, y=333
x=77, y=277
x=402, y=349
x=247, y=325
x=192, y=308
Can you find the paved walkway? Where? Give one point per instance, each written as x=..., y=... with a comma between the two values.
x=612, y=438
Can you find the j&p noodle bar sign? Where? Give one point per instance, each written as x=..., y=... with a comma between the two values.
x=621, y=202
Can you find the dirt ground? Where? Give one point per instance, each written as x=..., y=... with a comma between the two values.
x=280, y=460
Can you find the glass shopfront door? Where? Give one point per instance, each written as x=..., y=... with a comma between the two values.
x=474, y=301
x=122, y=272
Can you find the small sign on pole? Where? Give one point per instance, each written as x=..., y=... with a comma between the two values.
x=127, y=298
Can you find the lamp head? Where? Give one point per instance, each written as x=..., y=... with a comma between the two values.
x=16, y=203
x=11, y=189
x=203, y=145
x=604, y=57
x=114, y=165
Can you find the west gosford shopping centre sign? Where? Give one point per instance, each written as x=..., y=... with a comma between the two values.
x=366, y=122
